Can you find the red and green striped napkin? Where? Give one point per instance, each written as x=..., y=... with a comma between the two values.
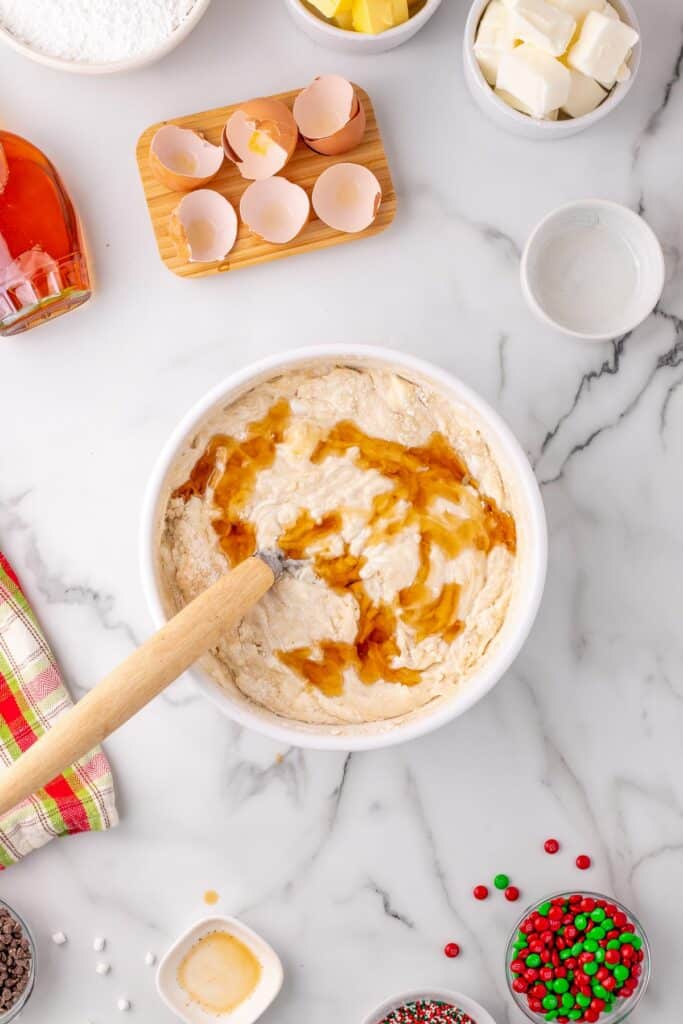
x=32, y=696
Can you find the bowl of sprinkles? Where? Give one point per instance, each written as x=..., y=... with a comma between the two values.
x=578, y=956
x=432, y=1006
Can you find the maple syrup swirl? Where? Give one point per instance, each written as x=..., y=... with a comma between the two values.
x=431, y=492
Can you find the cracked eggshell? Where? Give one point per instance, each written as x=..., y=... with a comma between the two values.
x=260, y=137
x=347, y=197
x=204, y=226
x=182, y=159
x=275, y=209
x=330, y=116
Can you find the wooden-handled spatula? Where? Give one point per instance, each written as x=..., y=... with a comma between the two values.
x=140, y=678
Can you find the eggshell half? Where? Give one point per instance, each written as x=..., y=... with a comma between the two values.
x=182, y=159
x=260, y=137
x=330, y=116
x=275, y=209
x=204, y=226
x=347, y=197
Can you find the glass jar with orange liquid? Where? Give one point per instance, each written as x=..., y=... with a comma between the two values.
x=43, y=269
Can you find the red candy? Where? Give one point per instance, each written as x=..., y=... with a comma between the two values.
x=512, y=893
x=480, y=892
x=452, y=949
x=551, y=846
x=583, y=862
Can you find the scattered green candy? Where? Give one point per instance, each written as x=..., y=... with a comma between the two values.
x=575, y=1014
x=590, y=945
x=597, y=933
x=628, y=937
x=600, y=991
x=551, y=1015
x=501, y=881
x=590, y=968
x=565, y=954
x=583, y=1000
x=549, y=1002
x=608, y=924
x=544, y=909
x=598, y=915
x=636, y=942
x=613, y=944
x=533, y=960
x=561, y=985
x=577, y=948
x=621, y=973
x=580, y=921
x=568, y=1000
x=599, y=956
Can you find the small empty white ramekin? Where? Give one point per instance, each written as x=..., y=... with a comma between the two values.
x=344, y=41
x=551, y=275
x=513, y=120
x=253, y=1006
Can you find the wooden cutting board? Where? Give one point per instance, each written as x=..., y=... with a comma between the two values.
x=304, y=168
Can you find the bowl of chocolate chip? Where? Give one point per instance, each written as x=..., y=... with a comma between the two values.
x=411, y=519
x=17, y=963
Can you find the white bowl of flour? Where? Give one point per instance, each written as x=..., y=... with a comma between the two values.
x=97, y=37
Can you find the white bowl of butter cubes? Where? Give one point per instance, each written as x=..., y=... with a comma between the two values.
x=547, y=69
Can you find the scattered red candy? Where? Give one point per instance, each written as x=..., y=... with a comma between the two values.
x=480, y=892
x=451, y=949
x=551, y=846
x=583, y=862
x=512, y=893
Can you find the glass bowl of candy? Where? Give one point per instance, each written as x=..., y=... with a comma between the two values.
x=577, y=956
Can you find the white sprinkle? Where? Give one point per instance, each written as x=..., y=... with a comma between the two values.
x=123, y=1004
x=103, y=967
x=59, y=938
x=150, y=959
x=99, y=943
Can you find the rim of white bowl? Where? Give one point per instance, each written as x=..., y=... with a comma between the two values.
x=472, y=1008
x=328, y=737
x=416, y=21
x=113, y=67
x=617, y=94
x=591, y=204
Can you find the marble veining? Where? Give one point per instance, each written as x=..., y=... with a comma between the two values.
x=358, y=869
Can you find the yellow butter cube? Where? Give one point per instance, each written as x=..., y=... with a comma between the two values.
x=373, y=16
x=400, y=11
x=331, y=8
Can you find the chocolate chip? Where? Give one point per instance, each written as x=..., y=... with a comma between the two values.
x=15, y=960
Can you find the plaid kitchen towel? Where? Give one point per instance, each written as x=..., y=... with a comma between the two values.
x=32, y=696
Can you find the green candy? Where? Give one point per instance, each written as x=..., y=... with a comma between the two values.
x=599, y=956
x=590, y=945
x=501, y=881
x=628, y=937
x=575, y=1014
x=636, y=942
x=598, y=915
x=608, y=924
x=533, y=960
x=597, y=932
x=549, y=1002
x=577, y=948
x=561, y=985
x=613, y=944
x=600, y=991
x=590, y=968
x=551, y=1015
x=544, y=909
x=580, y=921
x=565, y=954
x=568, y=1000
x=583, y=1000
x=621, y=973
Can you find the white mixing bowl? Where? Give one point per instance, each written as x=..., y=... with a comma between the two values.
x=527, y=507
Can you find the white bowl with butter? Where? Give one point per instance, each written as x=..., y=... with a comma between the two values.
x=515, y=121
x=356, y=733
x=219, y=970
x=349, y=41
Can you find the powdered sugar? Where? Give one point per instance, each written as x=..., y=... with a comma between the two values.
x=93, y=31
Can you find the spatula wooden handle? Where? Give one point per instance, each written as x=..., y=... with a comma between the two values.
x=140, y=678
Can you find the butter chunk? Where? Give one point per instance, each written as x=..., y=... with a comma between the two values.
x=494, y=38
x=602, y=47
x=330, y=8
x=579, y=8
x=584, y=95
x=373, y=16
x=535, y=78
x=544, y=25
x=512, y=101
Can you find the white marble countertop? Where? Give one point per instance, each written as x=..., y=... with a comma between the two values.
x=358, y=869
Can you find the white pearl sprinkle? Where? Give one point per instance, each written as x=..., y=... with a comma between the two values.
x=59, y=938
x=99, y=943
x=150, y=959
x=123, y=1004
x=103, y=967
